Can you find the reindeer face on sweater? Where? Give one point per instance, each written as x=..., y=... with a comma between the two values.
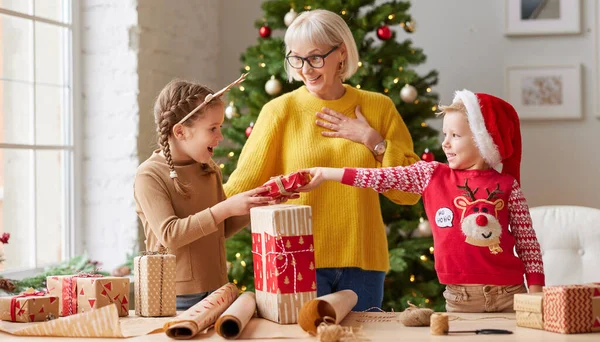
x=479, y=218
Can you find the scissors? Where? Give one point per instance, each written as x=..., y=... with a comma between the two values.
x=483, y=332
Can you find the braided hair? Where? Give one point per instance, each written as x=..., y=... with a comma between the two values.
x=175, y=101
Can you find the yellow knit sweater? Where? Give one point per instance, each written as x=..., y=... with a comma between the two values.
x=347, y=224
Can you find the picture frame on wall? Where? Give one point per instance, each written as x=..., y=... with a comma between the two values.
x=543, y=17
x=545, y=92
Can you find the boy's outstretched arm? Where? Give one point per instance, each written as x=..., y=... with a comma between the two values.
x=321, y=174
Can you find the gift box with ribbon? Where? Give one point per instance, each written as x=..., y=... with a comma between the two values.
x=529, y=310
x=284, y=260
x=155, y=284
x=287, y=185
x=572, y=309
x=84, y=292
x=29, y=306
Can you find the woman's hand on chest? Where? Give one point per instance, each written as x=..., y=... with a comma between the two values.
x=339, y=125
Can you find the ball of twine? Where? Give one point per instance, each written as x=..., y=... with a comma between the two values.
x=439, y=324
x=414, y=316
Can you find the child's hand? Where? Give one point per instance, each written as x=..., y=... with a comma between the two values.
x=283, y=199
x=239, y=204
x=535, y=288
x=321, y=174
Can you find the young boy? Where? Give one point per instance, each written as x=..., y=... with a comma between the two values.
x=478, y=214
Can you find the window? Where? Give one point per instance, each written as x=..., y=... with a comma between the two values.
x=36, y=132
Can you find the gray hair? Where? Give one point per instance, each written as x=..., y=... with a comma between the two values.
x=322, y=27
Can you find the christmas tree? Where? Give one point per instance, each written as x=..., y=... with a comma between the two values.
x=386, y=66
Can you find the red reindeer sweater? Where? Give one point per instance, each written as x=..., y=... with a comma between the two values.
x=470, y=212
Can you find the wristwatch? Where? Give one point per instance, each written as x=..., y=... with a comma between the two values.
x=380, y=148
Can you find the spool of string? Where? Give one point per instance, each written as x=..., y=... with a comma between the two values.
x=439, y=324
x=415, y=316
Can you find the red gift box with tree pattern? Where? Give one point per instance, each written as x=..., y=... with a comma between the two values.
x=284, y=260
x=85, y=292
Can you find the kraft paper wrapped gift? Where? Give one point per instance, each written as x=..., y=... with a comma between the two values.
x=84, y=292
x=529, y=310
x=29, y=306
x=155, y=285
x=284, y=260
x=572, y=309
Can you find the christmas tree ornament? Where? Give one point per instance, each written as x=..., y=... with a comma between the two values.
x=290, y=17
x=424, y=228
x=408, y=93
x=230, y=111
x=273, y=86
x=384, y=32
x=264, y=31
x=410, y=26
x=249, y=129
x=427, y=156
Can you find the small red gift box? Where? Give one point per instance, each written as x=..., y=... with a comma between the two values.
x=84, y=292
x=285, y=185
x=284, y=260
x=29, y=306
x=572, y=309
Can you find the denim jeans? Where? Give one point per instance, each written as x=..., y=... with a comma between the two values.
x=368, y=285
x=186, y=301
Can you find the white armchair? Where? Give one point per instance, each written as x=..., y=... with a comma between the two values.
x=569, y=237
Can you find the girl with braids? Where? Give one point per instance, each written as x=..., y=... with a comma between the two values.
x=179, y=195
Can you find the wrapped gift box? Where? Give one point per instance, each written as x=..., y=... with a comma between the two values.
x=284, y=260
x=529, y=310
x=155, y=285
x=572, y=308
x=82, y=293
x=29, y=307
x=285, y=185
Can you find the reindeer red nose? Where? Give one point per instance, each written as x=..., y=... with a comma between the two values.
x=481, y=221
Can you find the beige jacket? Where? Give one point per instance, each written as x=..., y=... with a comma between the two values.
x=186, y=226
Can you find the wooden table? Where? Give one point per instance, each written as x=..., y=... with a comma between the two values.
x=378, y=331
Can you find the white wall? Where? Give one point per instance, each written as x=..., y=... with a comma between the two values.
x=130, y=50
x=464, y=40
x=238, y=33
x=177, y=39
x=110, y=128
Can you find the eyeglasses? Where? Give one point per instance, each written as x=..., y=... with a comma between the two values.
x=315, y=61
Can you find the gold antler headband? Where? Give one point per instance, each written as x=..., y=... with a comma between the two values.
x=210, y=97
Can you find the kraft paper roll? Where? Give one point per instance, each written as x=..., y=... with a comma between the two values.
x=233, y=321
x=202, y=315
x=334, y=307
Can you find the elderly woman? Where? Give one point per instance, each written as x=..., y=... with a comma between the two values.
x=350, y=241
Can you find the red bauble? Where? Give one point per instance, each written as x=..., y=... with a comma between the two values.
x=249, y=129
x=384, y=32
x=264, y=31
x=427, y=156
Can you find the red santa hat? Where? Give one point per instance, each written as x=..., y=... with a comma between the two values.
x=496, y=129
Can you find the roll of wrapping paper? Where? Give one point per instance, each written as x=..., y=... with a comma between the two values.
x=202, y=315
x=331, y=308
x=234, y=320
